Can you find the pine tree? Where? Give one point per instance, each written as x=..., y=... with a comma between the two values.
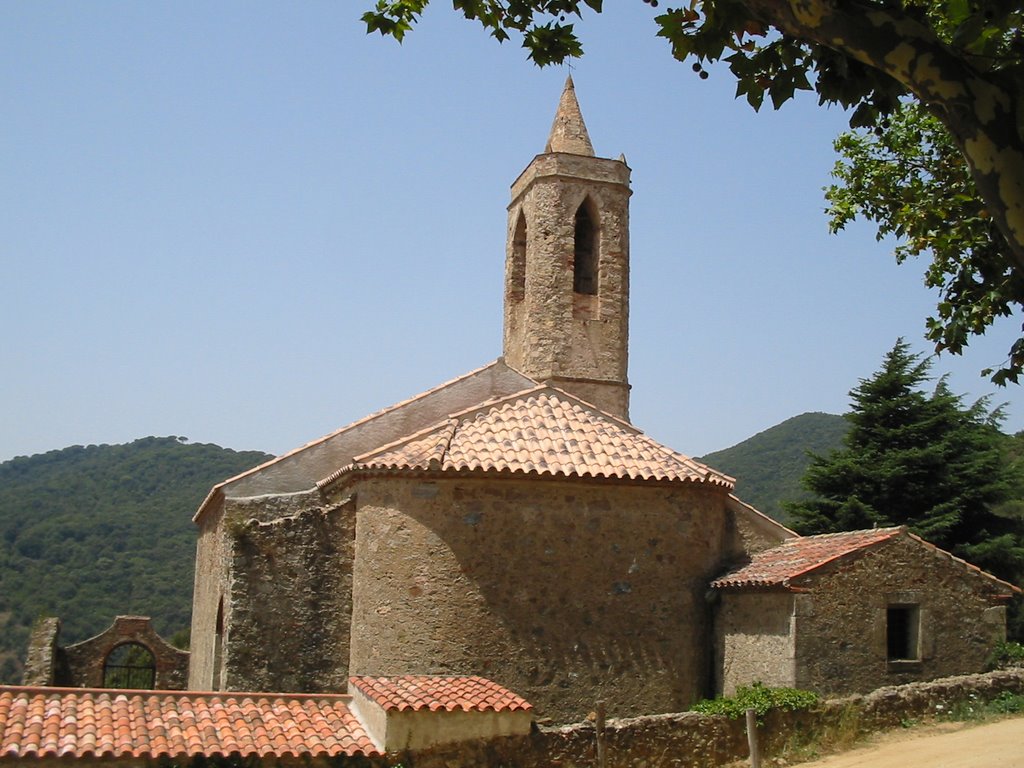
x=919, y=459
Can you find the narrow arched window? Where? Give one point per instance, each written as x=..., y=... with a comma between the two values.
x=218, y=648
x=584, y=265
x=130, y=665
x=517, y=267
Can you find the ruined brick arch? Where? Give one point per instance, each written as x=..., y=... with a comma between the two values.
x=586, y=241
x=84, y=664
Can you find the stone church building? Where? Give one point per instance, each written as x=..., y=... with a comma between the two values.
x=510, y=523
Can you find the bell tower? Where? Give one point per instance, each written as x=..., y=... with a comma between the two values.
x=567, y=267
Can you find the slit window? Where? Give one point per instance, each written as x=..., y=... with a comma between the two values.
x=517, y=276
x=218, y=649
x=584, y=274
x=902, y=632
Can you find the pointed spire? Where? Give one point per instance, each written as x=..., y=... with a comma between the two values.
x=568, y=133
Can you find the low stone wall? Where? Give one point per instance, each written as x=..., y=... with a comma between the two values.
x=690, y=740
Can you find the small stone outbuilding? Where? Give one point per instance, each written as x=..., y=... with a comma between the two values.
x=851, y=612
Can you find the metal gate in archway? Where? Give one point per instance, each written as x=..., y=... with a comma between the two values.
x=130, y=665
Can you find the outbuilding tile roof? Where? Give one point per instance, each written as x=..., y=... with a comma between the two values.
x=797, y=556
x=470, y=694
x=56, y=722
x=540, y=431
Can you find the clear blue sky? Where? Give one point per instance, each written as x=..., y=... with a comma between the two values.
x=249, y=223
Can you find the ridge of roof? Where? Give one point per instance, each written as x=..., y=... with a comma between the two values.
x=218, y=489
x=542, y=430
x=47, y=722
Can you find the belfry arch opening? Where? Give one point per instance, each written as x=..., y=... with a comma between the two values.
x=130, y=665
x=517, y=277
x=584, y=264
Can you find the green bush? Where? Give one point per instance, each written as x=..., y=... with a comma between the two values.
x=1005, y=655
x=1008, y=703
x=759, y=698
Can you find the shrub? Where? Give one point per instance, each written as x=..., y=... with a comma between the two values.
x=759, y=698
x=1005, y=655
x=1008, y=703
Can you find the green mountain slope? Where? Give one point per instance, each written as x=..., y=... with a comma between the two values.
x=769, y=465
x=89, y=533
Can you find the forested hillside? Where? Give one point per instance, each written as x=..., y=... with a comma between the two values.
x=768, y=466
x=89, y=533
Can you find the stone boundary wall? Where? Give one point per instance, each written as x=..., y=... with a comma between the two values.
x=691, y=740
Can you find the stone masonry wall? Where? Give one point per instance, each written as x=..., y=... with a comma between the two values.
x=840, y=625
x=566, y=592
x=209, y=587
x=290, y=595
x=754, y=641
x=41, y=662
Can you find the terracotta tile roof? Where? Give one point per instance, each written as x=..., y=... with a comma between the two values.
x=469, y=694
x=540, y=431
x=779, y=566
x=797, y=556
x=56, y=722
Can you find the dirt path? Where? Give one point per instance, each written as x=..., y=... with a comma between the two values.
x=949, y=745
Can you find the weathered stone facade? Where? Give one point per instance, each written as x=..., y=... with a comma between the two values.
x=754, y=640
x=566, y=592
x=277, y=569
x=829, y=630
x=555, y=588
x=292, y=587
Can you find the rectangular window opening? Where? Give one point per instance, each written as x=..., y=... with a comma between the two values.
x=903, y=632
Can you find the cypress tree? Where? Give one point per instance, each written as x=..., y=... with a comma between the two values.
x=919, y=459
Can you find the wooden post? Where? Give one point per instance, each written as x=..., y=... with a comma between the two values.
x=755, y=752
x=602, y=759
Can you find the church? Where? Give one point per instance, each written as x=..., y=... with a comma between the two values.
x=512, y=523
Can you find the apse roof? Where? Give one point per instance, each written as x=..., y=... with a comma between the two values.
x=542, y=431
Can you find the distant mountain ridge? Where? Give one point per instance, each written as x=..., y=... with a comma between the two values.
x=87, y=533
x=768, y=466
